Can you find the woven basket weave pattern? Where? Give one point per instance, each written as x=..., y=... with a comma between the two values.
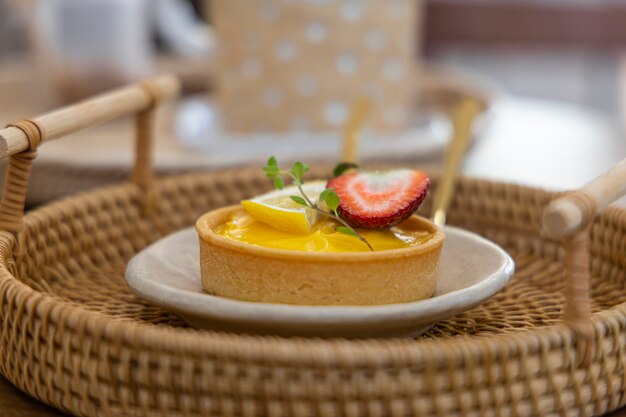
x=82, y=342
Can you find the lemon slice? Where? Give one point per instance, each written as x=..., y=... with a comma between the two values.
x=278, y=210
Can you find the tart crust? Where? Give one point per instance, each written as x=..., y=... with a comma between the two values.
x=247, y=272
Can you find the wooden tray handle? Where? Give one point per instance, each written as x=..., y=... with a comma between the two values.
x=20, y=140
x=568, y=217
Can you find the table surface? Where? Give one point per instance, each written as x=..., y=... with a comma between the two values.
x=546, y=144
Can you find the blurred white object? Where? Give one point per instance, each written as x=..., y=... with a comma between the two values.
x=194, y=123
x=181, y=30
x=199, y=126
x=89, y=45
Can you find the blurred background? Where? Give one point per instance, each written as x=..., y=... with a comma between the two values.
x=290, y=78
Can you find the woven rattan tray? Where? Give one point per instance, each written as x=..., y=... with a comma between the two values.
x=74, y=336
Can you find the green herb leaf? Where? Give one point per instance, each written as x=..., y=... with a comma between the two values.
x=346, y=230
x=271, y=171
x=299, y=200
x=279, y=183
x=298, y=169
x=331, y=199
x=343, y=167
x=324, y=193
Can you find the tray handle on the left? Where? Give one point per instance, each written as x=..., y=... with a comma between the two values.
x=19, y=141
x=568, y=217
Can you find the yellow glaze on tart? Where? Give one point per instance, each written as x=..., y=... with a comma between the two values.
x=323, y=236
x=250, y=261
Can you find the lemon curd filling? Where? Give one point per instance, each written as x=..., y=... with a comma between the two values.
x=323, y=237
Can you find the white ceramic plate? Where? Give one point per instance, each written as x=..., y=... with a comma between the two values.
x=426, y=136
x=167, y=273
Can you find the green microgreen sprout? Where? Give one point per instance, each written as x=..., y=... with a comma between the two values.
x=329, y=197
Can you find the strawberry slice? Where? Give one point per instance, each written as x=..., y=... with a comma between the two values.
x=378, y=200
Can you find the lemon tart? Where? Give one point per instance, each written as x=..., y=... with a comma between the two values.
x=251, y=272
x=353, y=240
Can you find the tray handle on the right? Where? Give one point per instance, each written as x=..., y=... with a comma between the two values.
x=568, y=218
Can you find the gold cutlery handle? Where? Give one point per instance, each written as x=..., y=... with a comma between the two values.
x=463, y=115
x=358, y=114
